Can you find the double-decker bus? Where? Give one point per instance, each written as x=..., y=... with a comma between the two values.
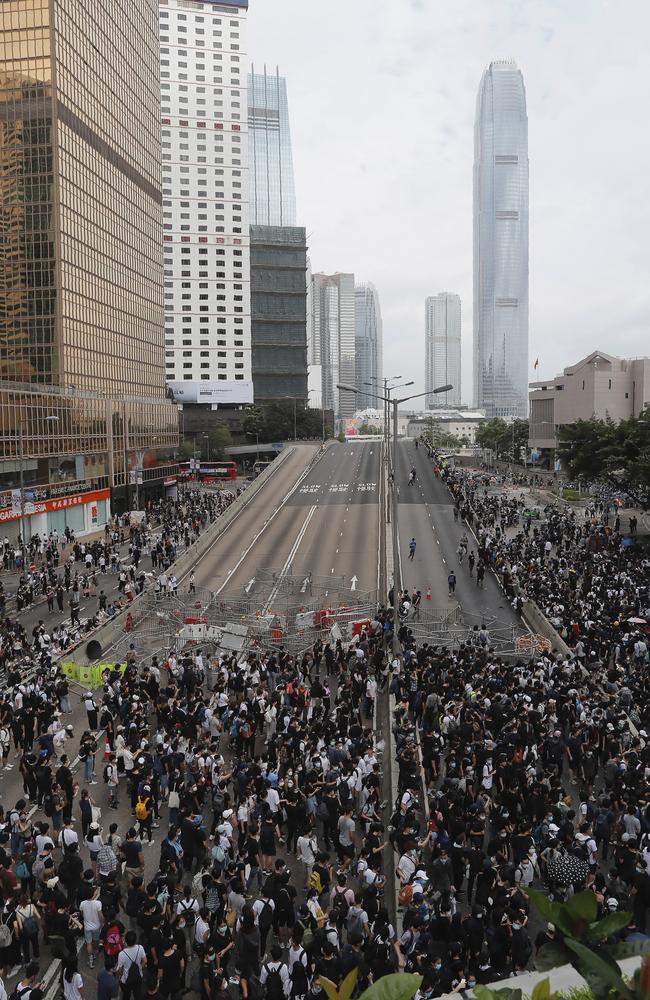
x=208, y=472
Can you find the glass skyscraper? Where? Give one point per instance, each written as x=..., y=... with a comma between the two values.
x=442, y=348
x=82, y=378
x=333, y=339
x=272, y=187
x=368, y=345
x=501, y=243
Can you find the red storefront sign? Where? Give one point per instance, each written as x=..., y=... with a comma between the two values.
x=59, y=503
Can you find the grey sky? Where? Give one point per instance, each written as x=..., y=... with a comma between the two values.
x=381, y=99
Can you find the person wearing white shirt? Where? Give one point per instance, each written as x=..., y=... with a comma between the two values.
x=93, y=918
x=131, y=954
x=307, y=849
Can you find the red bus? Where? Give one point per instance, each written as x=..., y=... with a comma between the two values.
x=208, y=472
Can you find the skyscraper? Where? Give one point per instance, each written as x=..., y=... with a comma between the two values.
x=368, y=345
x=501, y=243
x=205, y=200
x=273, y=194
x=333, y=339
x=82, y=379
x=279, y=312
x=442, y=348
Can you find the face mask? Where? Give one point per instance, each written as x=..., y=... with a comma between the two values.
x=437, y=968
x=223, y=929
x=516, y=927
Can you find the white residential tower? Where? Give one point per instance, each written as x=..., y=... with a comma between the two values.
x=204, y=71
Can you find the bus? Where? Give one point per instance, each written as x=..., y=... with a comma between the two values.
x=208, y=472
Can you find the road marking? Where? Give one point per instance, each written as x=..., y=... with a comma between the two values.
x=354, y=581
x=271, y=517
x=249, y=585
x=294, y=548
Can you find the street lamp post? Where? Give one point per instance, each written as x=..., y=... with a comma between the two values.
x=397, y=576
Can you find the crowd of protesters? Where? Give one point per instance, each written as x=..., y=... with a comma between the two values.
x=255, y=783
x=588, y=578
x=101, y=575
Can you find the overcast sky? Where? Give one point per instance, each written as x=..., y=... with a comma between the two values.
x=381, y=101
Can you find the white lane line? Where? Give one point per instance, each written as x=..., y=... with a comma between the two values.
x=290, y=557
x=277, y=510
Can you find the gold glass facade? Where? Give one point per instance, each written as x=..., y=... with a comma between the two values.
x=81, y=296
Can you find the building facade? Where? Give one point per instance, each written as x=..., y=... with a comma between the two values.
x=203, y=70
x=81, y=274
x=279, y=312
x=332, y=340
x=599, y=385
x=462, y=424
x=368, y=344
x=442, y=361
x=272, y=185
x=501, y=243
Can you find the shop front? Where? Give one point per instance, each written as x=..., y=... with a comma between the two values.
x=83, y=512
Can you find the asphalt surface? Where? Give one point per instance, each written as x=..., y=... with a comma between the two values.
x=324, y=521
x=426, y=514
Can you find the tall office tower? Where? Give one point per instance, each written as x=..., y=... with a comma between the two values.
x=272, y=187
x=368, y=345
x=334, y=339
x=501, y=243
x=205, y=200
x=442, y=348
x=81, y=306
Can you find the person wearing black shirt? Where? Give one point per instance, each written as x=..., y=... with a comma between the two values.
x=171, y=967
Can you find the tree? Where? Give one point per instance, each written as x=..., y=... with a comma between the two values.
x=505, y=440
x=615, y=453
x=219, y=439
x=369, y=429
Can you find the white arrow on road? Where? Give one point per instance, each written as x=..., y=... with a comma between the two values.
x=354, y=581
x=305, y=584
x=249, y=585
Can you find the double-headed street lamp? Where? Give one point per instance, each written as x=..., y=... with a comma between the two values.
x=374, y=381
x=397, y=576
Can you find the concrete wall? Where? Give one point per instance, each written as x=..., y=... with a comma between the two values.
x=540, y=625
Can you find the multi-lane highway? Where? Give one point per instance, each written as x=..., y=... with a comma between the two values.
x=318, y=514
x=426, y=514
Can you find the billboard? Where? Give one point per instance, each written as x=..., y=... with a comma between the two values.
x=210, y=392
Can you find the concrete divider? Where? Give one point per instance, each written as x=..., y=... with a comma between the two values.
x=110, y=632
x=539, y=623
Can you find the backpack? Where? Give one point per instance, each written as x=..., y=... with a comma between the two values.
x=141, y=808
x=18, y=993
x=354, y=922
x=108, y=771
x=274, y=987
x=601, y=825
x=22, y=871
x=315, y=882
x=246, y=731
x=5, y=935
x=405, y=894
x=579, y=850
x=113, y=943
x=48, y=807
x=218, y=853
x=340, y=905
x=133, y=976
x=189, y=916
x=299, y=981
x=265, y=916
x=307, y=935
